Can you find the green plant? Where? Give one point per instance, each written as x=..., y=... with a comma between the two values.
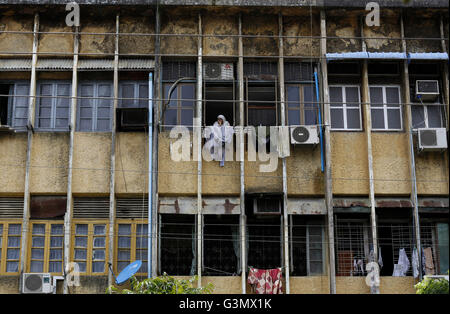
x=162, y=285
x=432, y=286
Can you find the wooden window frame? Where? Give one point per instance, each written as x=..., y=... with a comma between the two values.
x=177, y=97
x=386, y=106
x=90, y=244
x=47, y=236
x=300, y=109
x=133, y=235
x=343, y=88
x=4, y=247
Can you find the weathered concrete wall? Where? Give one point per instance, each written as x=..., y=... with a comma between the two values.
x=179, y=24
x=13, y=42
x=310, y=285
x=91, y=166
x=54, y=44
x=97, y=45
x=49, y=162
x=259, y=24
x=388, y=285
x=431, y=173
x=9, y=284
x=90, y=285
x=304, y=173
x=391, y=168
x=389, y=28
x=303, y=25
x=224, y=285
x=13, y=155
x=262, y=182
x=220, y=180
x=174, y=177
x=344, y=24
x=131, y=156
x=136, y=24
x=422, y=24
x=349, y=163
x=220, y=24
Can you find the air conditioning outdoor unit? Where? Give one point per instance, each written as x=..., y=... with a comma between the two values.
x=267, y=205
x=132, y=119
x=427, y=90
x=432, y=139
x=218, y=71
x=37, y=283
x=304, y=134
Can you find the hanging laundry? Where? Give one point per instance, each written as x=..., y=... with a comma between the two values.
x=415, y=263
x=380, y=259
x=221, y=133
x=402, y=264
x=265, y=281
x=429, y=265
x=360, y=264
x=423, y=262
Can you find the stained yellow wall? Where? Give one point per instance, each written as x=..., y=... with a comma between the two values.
x=13, y=155
x=432, y=173
x=388, y=285
x=309, y=285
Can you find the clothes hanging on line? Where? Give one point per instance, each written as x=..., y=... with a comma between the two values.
x=265, y=281
x=402, y=264
x=429, y=265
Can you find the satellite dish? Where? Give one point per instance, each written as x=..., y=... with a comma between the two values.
x=128, y=271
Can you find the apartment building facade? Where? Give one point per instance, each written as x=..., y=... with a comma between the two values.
x=356, y=169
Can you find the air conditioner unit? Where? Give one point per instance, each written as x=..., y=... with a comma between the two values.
x=427, y=90
x=304, y=134
x=218, y=71
x=267, y=205
x=432, y=139
x=37, y=283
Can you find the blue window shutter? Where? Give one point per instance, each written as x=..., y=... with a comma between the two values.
x=20, y=105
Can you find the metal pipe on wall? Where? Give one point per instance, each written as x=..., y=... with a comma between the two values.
x=150, y=176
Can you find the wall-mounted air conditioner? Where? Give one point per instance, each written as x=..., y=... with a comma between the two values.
x=218, y=71
x=432, y=139
x=37, y=283
x=304, y=134
x=132, y=119
x=427, y=90
x=267, y=205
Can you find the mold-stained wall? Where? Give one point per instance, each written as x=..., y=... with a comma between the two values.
x=102, y=44
x=431, y=173
x=13, y=155
x=55, y=45
x=220, y=24
x=423, y=24
x=14, y=42
x=345, y=24
x=91, y=167
x=304, y=171
x=183, y=25
x=260, y=25
x=304, y=25
x=385, y=37
x=49, y=162
x=349, y=168
x=137, y=24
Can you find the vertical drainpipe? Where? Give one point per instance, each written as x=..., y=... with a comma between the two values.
x=69, y=206
x=283, y=124
x=31, y=106
x=445, y=77
x=328, y=178
x=198, y=134
x=150, y=174
x=412, y=166
x=157, y=93
x=374, y=289
x=242, y=217
x=112, y=205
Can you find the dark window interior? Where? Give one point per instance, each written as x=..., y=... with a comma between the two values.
x=220, y=246
x=4, y=112
x=264, y=238
x=261, y=105
x=177, y=234
x=48, y=207
x=219, y=100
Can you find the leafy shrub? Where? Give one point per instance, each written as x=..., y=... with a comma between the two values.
x=162, y=285
x=432, y=286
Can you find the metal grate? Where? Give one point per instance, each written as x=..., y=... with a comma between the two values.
x=298, y=71
x=260, y=70
x=90, y=208
x=132, y=208
x=11, y=207
x=172, y=71
x=352, y=248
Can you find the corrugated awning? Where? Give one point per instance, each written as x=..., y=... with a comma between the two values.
x=83, y=65
x=387, y=56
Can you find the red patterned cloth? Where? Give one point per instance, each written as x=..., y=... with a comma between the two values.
x=265, y=281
